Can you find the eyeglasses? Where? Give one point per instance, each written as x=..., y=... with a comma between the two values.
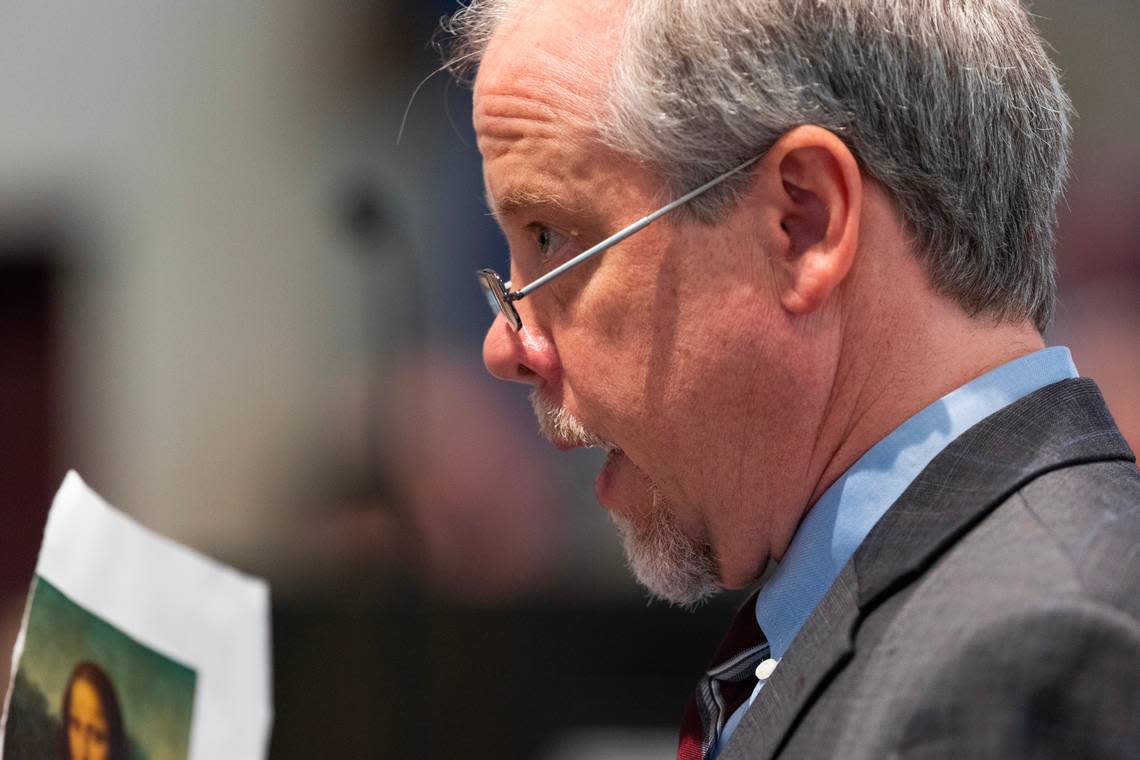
x=500, y=296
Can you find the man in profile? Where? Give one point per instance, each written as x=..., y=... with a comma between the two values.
x=789, y=263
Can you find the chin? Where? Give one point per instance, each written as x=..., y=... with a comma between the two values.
x=672, y=566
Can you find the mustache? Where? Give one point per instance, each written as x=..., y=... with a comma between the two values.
x=559, y=426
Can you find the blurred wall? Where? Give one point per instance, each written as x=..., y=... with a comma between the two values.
x=1097, y=46
x=185, y=138
x=189, y=150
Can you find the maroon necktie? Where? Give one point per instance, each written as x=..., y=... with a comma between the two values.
x=725, y=686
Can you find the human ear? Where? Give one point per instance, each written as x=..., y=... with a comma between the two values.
x=817, y=193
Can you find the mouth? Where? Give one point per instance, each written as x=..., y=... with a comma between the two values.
x=564, y=430
x=563, y=444
x=566, y=444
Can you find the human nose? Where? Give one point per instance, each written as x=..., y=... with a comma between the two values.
x=527, y=356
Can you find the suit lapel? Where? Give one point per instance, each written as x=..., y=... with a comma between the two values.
x=822, y=647
x=1060, y=425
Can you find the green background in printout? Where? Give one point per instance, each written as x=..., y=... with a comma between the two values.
x=155, y=693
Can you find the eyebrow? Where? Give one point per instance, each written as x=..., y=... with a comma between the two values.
x=521, y=198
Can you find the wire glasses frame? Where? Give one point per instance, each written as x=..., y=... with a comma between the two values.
x=500, y=296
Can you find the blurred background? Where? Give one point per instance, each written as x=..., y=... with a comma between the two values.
x=247, y=315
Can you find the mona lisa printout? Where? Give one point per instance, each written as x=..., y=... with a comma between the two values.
x=134, y=647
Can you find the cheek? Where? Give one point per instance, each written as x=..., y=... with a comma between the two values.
x=606, y=376
x=626, y=356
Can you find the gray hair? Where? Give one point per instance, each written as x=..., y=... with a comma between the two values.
x=953, y=106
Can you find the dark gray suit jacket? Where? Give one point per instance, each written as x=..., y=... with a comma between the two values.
x=994, y=611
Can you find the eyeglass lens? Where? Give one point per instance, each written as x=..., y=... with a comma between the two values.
x=496, y=293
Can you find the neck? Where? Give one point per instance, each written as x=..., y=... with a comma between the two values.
x=881, y=384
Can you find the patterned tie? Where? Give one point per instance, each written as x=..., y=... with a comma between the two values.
x=725, y=686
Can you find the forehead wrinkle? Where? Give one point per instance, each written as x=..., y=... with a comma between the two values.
x=559, y=54
x=538, y=91
x=503, y=120
x=505, y=115
x=510, y=124
x=499, y=105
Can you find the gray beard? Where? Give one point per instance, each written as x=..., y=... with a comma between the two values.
x=669, y=564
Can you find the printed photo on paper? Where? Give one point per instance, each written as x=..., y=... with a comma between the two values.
x=85, y=690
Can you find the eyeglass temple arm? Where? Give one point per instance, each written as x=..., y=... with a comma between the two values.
x=622, y=234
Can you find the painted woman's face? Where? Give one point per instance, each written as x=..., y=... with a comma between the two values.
x=86, y=724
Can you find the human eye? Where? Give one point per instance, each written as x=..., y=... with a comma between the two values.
x=548, y=241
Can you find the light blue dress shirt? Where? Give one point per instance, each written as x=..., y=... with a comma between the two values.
x=833, y=529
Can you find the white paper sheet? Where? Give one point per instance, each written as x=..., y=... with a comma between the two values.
x=183, y=640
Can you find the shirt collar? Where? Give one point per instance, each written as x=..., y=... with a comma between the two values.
x=833, y=529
